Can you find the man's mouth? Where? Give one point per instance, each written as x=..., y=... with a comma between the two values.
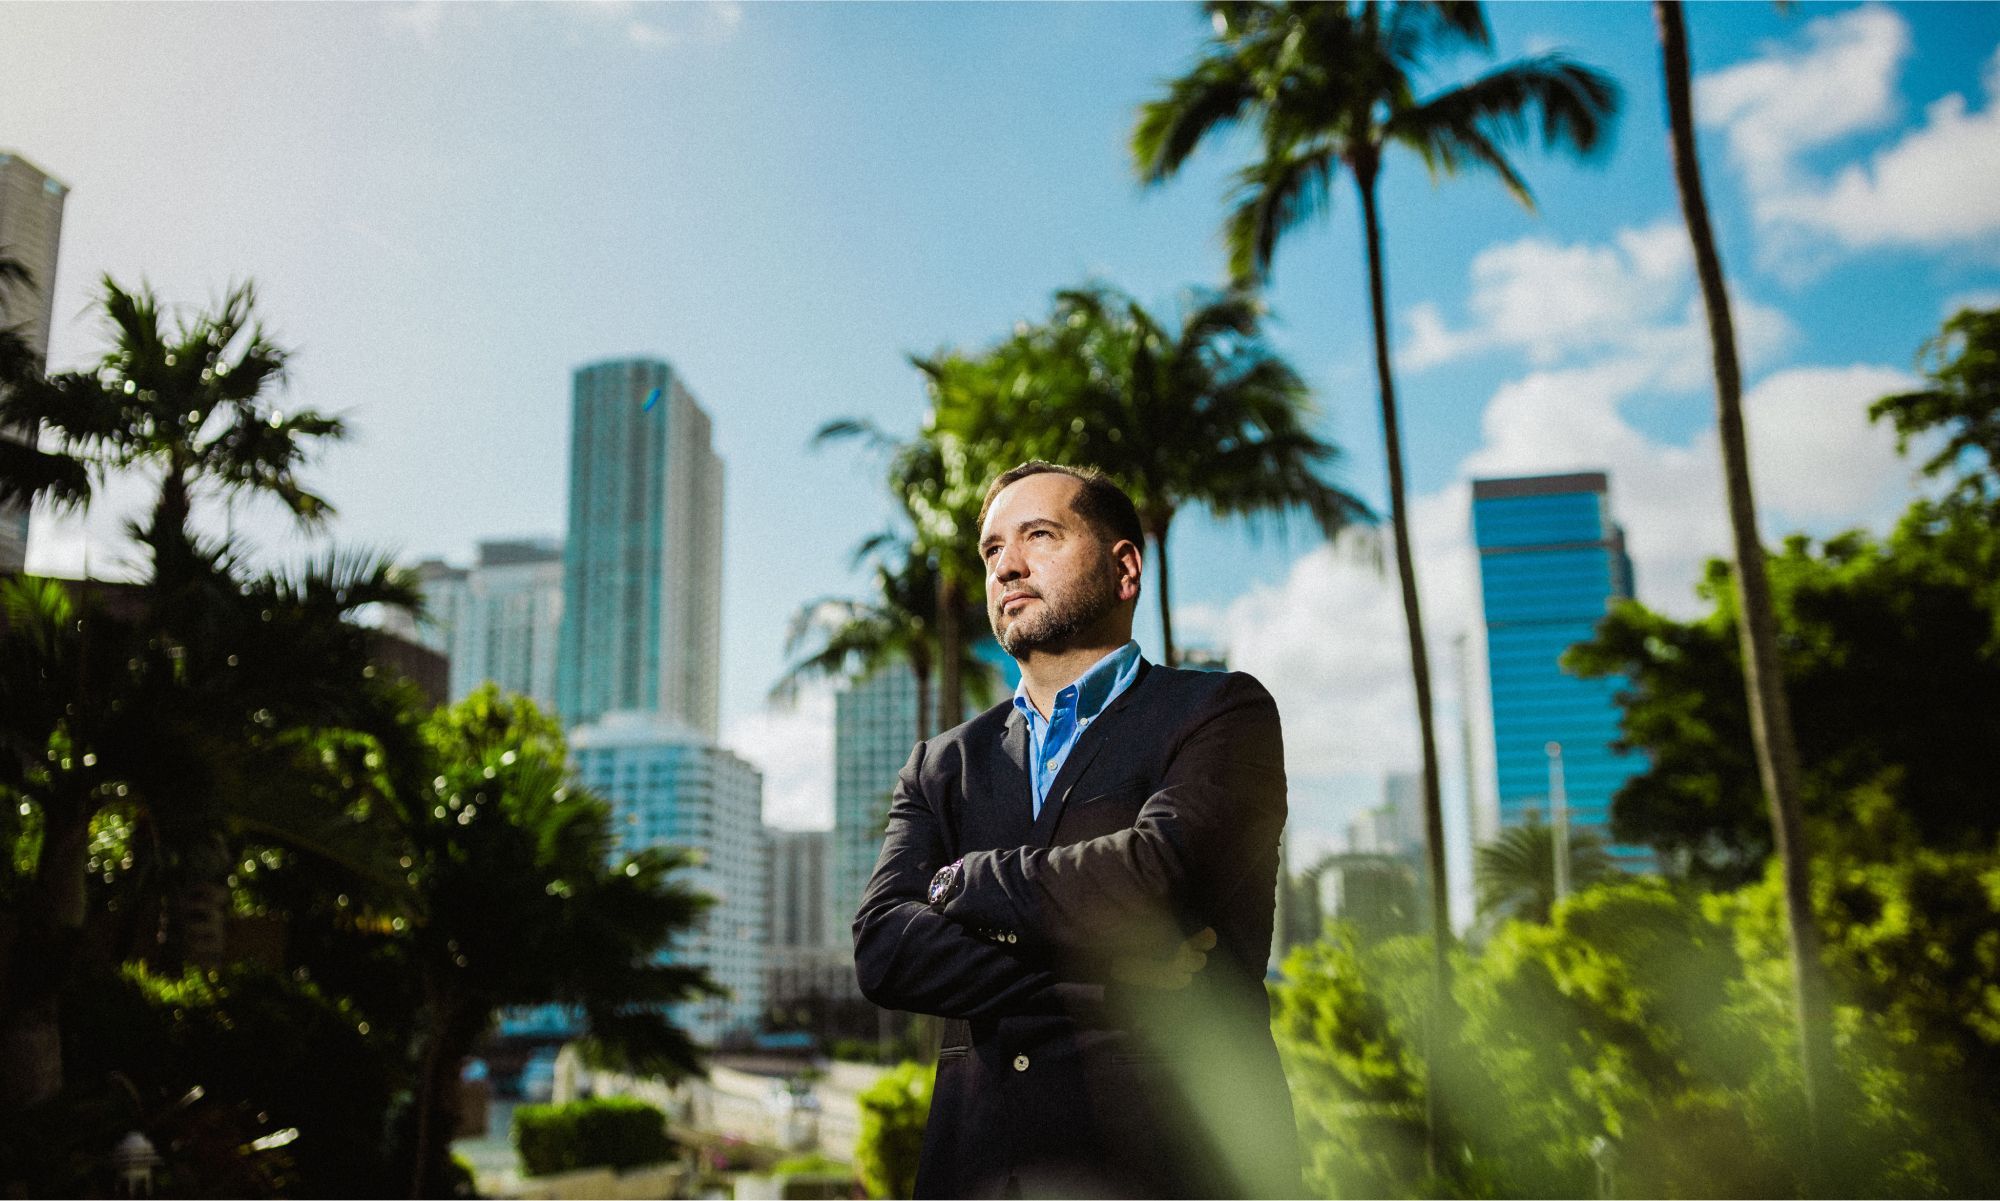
x=1008, y=601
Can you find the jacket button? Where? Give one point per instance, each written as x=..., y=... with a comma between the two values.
x=1020, y=1063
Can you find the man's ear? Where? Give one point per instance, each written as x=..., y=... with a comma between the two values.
x=1131, y=568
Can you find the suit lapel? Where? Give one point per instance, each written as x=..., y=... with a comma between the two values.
x=1013, y=800
x=1087, y=745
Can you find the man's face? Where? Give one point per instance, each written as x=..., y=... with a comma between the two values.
x=1049, y=575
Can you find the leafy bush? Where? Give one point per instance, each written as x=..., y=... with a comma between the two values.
x=614, y=1132
x=893, y=1112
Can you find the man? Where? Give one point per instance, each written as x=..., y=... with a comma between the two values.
x=1082, y=880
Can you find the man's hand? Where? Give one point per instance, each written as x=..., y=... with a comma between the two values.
x=1168, y=975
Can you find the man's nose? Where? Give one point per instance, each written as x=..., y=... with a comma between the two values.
x=1008, y=564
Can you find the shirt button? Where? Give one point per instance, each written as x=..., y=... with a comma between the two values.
x=1020, y=1063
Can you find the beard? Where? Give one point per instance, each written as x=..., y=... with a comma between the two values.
x=1067, y=611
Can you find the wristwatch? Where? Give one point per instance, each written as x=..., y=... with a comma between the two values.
x=948, y=883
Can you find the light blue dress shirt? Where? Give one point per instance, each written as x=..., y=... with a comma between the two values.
x=1050, y=741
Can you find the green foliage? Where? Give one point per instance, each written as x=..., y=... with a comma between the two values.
x=517, y=906
x=1962, y=405
x=1356, y=1076
x=242, y=1042
x=893, y=1112
x=1892, y=664
x=614, y=1132
x=1646, y=1031
x=814, y=1164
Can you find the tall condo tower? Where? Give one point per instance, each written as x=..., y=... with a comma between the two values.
x=31, y=207
x=642, y=567
x=669, y=786
x=1551, y=561
x=874, y=730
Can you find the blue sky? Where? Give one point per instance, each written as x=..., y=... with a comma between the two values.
x=448, y=207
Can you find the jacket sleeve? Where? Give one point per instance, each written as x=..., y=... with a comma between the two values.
x=908, y=956
x=1219, y=809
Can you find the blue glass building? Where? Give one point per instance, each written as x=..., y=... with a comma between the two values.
x=1551, y=561
x=642, y=565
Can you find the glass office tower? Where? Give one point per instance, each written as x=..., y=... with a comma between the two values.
x=1551, y=561
x=642, y=566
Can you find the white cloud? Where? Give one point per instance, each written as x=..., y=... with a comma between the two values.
x=793, y=747
x=1554, y=303
x=650, y=27
x=1841, y=82
x=1930, y=188
x=1815, y=456
x=1985, y=298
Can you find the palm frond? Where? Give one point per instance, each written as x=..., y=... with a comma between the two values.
x=1568, y=105
x=1208, y=99
x=1273, y=196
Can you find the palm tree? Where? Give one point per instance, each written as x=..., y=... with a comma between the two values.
x=191, y=402
x=1763, y=676
x=1206, y=414
x=516, y=906
x=1516, y=873
x=1333, y=86
x=938, y=478
x=896, y=627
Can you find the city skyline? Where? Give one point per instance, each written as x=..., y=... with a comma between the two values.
x=945, y=204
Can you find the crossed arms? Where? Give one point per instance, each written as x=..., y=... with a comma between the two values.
x=1136, y=891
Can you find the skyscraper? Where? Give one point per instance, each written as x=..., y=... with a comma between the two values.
x=811, y=953
x=499, y=621
x=670, y=786
x=642, y=568
x=31, y=207
x=1551, y=561
x=874, y=730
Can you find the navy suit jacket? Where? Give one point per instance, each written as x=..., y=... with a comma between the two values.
x=1054, y=1078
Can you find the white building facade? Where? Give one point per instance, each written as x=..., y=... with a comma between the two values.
x=668, y=785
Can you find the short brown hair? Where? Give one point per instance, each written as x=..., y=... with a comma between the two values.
x=1099, y=502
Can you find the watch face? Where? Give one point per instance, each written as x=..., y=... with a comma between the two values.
x=941, y=885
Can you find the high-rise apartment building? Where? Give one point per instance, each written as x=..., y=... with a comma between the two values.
x=498, y=621
x=1551, y=561
x=31, y=208
x=642, y=570
x=811, y=954
x=670, y=786
x=874, y=730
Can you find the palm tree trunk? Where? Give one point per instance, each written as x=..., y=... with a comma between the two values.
x=1158, y=533
x=1420, y=670
x=951, y=684
x=437, y=1103
x=923, y=675
x=1763, y=678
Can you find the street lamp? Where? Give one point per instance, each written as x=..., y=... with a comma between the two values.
x=1559, y=812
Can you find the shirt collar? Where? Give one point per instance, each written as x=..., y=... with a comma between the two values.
x=1093, y=689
